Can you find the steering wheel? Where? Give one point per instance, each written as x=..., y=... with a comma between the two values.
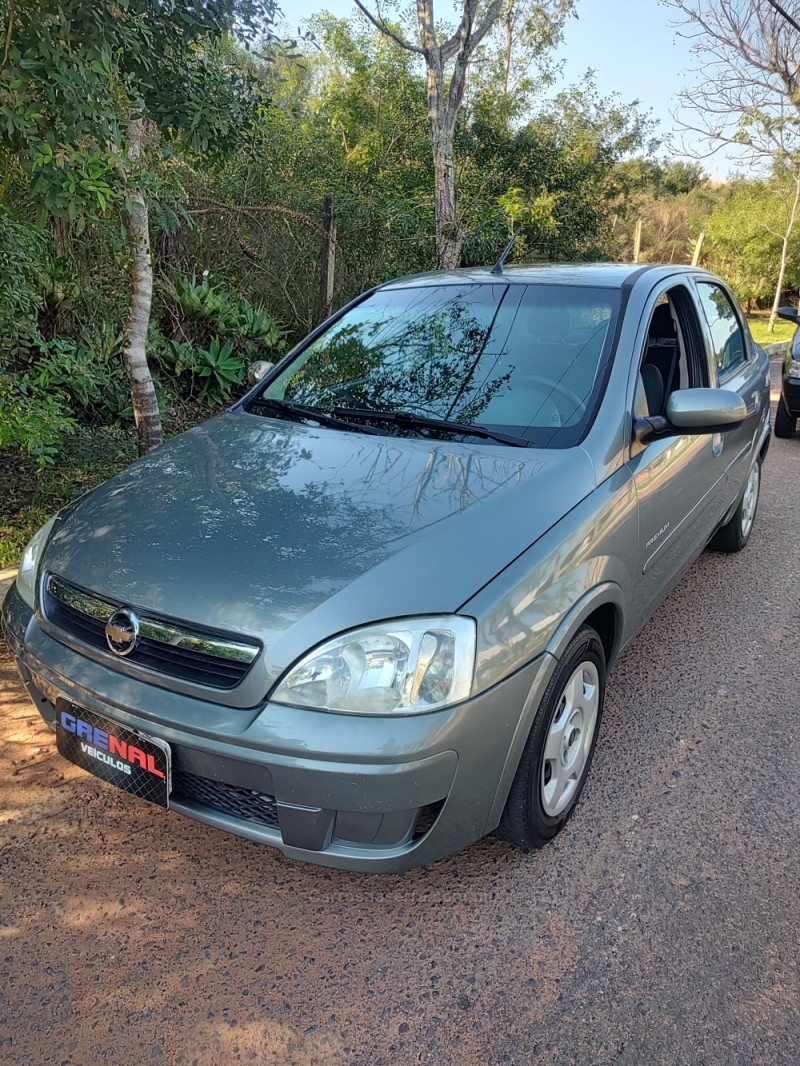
x=551, y=388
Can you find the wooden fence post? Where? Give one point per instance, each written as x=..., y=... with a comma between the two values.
x=697, y=249
x=328, y=263
x=637, y=241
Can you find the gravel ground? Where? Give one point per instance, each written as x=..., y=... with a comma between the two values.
x=661, y=927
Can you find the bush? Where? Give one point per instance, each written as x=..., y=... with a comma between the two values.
x=209, y=336
x=207, y=311
x=22, y=278
x=91, y=386
x=34, y=423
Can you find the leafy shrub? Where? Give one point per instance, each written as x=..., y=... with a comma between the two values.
x=22, y=277
x=31, y=421
x=208, y=311
x=217, y=368
x=212, y=335
x=90, y=383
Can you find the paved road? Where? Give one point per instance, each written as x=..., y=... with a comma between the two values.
x=661, y=927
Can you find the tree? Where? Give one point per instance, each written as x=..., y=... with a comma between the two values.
x=444, y=102
x=751, y=95
x=88, y=92
x=671, y=199
x=556, y=176
x=529, y=31
x=346, y=119
x=745, y=233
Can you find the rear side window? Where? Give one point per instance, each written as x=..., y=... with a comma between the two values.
x=727, y=338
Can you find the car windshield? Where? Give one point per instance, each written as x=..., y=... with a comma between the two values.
x=527, y=360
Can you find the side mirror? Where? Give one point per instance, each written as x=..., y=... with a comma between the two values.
x=693, y=411
x=256, y=371
x=790, y=314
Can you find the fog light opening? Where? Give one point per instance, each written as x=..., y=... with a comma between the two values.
x=426, y=819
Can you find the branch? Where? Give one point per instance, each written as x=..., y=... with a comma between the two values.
x=215, y=207
x=8, y=37
x=466, y=40
x=381, y=25
x=469, y=40
x=491, y=17
x=785, y=14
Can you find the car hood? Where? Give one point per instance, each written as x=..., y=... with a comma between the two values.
x=251, y=524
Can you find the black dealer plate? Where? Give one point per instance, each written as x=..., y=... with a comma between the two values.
x=133, y=761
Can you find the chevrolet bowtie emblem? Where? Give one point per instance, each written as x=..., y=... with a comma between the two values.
x=122, y=632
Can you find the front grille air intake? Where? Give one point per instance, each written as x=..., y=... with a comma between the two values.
x=163, y=646
x=226, y=799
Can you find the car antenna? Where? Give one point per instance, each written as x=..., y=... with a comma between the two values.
x=498, y=267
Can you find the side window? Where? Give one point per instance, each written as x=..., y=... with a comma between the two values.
x=673, y=356
x=727, y=339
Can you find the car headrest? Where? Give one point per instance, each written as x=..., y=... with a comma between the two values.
x=662, y=323
x=653, y=384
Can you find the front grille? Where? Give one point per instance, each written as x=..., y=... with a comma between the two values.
x=227, y=799
x=163, y=646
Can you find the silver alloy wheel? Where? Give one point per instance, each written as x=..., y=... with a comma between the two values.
x=569, y=739
x=750, y=499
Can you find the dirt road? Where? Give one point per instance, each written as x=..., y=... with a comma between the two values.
x=661, y=927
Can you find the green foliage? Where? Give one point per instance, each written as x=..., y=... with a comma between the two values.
x=90, y=386
x=31, y=422
x=217, y=369
x=73, y=72
x=215, y=334
x=745, y=234
x=209, y=310
x=22, y=279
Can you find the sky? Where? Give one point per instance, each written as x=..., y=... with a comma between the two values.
x=630, y=45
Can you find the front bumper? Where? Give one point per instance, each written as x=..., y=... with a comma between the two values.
x=358, y=793
x=790, y=389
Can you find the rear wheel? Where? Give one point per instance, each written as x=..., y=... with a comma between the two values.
x=733, y=536
x=558, y=753
x=785, y=423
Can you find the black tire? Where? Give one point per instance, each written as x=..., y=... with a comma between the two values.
x=785, y=424
x=526, y=822
x=735, y=534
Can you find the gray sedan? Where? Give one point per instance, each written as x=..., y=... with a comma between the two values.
x=367, y=614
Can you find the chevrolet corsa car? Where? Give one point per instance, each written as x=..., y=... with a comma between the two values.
x=366, y=615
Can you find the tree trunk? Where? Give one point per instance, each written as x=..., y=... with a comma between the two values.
x=134, y=353
x=509, y=28
x=443, y=107
x=449, y=233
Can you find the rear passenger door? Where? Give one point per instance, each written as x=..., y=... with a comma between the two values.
x=732, y=367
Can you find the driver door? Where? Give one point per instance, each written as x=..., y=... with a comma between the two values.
x=680, y=479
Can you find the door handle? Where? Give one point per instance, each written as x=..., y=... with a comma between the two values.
x=716, y=444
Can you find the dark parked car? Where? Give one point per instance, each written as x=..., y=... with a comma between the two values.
x=788, y=409
x=366, y=615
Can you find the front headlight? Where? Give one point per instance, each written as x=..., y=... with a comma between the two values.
x=793, y=369
x=409, y=666
x=26, y=578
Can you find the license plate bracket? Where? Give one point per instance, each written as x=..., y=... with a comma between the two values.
x=128, y=758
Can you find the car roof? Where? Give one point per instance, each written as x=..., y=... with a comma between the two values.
x=606, y=275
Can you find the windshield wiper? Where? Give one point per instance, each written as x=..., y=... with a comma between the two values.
x=412, y=421
x=302, y=413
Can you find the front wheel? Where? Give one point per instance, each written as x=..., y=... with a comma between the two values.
x=558, y=753
x=733, y=536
